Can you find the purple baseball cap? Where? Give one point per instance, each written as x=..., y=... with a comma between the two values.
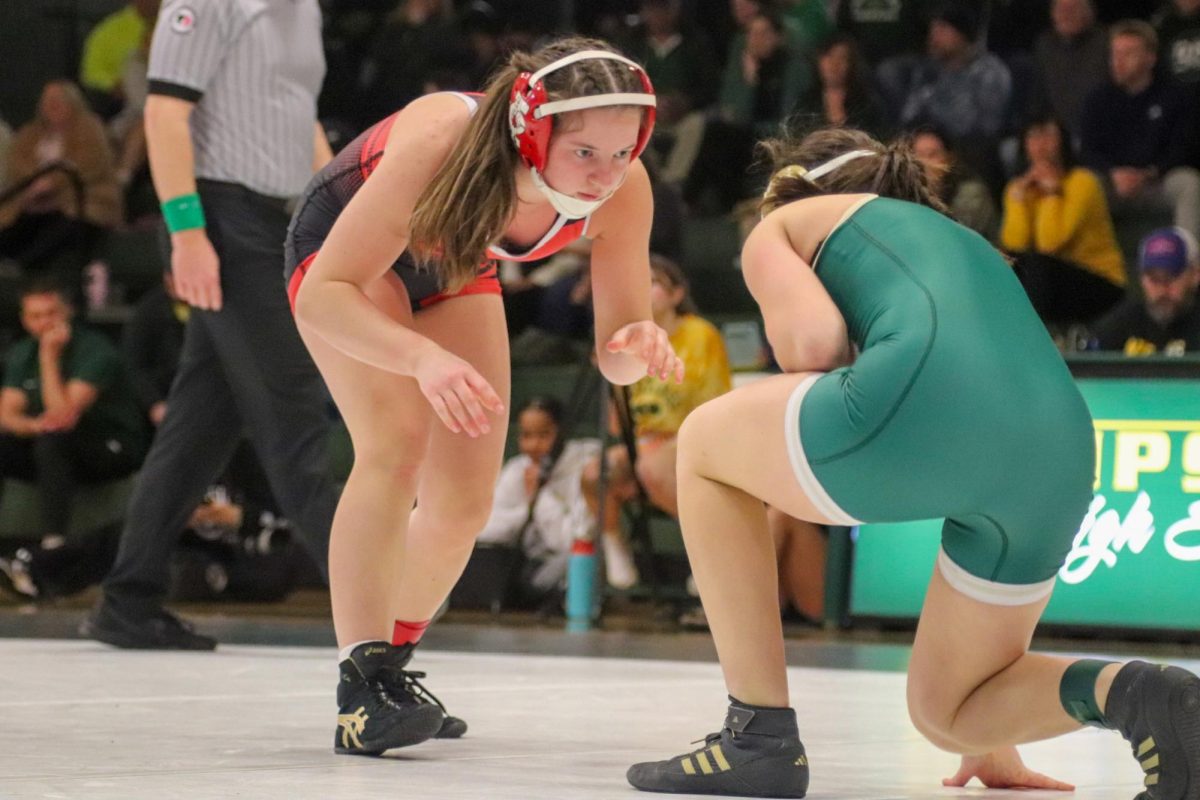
x=1171, y=250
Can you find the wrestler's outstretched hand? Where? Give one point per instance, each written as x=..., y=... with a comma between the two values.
x=1003, y=769
x=648, y=342
x=458, y=393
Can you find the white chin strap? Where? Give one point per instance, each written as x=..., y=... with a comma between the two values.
x=570, y=207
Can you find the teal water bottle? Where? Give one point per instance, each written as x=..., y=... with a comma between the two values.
x=581, y=586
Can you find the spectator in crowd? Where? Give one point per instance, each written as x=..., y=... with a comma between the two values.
x=958, y=186
x=1165, y=319
x=538, y=506
x=68, y=416
x=1178, y=25
x=959, y=87
x=760, y=89
x=108, y=47
x=1138, y=133
x=236, y=546
x=797, y=17
x=682, y=66
x=152, y=341
x=46, y=219
x=658, y=408
x=1056, y=223
x=843, y=93
x=1072, y=61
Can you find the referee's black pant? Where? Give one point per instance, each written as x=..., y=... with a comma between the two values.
x=243, y=372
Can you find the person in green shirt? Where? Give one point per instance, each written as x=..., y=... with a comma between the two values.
x=68, y=414
x=106, y=50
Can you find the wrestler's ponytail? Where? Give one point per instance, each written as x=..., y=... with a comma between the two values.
x=471, y=198
x=891, y=170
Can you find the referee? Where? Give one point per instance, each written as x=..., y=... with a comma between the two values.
x=233, y=136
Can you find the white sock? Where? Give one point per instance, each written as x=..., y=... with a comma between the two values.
x=345, y=652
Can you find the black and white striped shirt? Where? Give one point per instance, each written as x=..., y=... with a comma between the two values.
x=254, y=69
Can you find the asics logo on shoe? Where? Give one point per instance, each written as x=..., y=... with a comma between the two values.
x=352, y=726
x=375, y=651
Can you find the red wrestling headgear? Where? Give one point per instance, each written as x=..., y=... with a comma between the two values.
x=529, y=113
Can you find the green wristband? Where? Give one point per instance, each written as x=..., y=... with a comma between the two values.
x=183, y=213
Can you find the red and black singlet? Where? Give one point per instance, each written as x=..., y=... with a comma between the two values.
x=331, y=190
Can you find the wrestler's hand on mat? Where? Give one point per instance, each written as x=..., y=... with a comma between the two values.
x=195, y=269
x=650, y=343
x=1003, y=769
x=458, y=393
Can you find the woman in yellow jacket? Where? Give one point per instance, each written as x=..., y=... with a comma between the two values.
x=1056, y=223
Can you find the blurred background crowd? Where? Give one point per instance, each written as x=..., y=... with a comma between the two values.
x=1067, y=132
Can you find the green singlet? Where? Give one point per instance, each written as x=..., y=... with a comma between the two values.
x=957, y=407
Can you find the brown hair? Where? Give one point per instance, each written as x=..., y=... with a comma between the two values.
x=473, y=195
x=1137, y=28
x=674, y=275
x=892, y=171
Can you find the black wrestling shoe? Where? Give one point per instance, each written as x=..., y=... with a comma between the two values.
x=370, y=718
x=405, y=687
x=1157, y=709
x=137, y=627
x=757, y=753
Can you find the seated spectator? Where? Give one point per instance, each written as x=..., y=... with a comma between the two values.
x=1138, y=133
x=802, y=28
x=236, y=546
x=761, y=88
x=963, y=192
x=1178, y=25
x=151, y=342
x=68, y=415
x=106, y=50
x=1056, y=223
x=46, y=219
x=843, y=93
x=959, y=87
x=1072, y=61
x=1165, y=319
x=538, y=506
x=682, y=66
x=658, y=408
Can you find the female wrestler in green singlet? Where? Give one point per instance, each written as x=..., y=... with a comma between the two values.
x=919, y=384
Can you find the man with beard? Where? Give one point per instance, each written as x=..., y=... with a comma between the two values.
x=1166, y=319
